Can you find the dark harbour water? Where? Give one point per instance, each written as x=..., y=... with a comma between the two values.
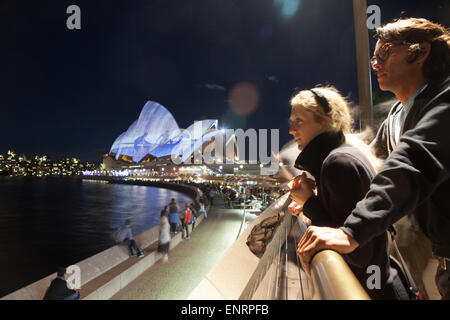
x=48, y=222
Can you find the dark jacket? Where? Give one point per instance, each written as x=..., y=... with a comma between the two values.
x=414, y=179
x=164, y=212
x=343, y=175
x=58, y=290
x=173, y=207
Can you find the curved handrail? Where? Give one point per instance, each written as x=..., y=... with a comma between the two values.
x=333, y=279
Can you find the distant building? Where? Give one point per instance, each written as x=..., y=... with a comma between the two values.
x=155, y=138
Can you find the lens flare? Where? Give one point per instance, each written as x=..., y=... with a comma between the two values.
x=288, y=7
x=244, y=98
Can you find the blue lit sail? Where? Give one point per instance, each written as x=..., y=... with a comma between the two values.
x=156, y=132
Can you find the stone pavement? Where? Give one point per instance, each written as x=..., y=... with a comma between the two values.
x=190, y=260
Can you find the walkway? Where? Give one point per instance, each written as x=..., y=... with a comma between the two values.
x=191, y=260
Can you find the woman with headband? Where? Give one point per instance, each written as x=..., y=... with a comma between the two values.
x=320, y=119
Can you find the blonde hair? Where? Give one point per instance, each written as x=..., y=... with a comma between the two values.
x=357, y=141
x=338, y=119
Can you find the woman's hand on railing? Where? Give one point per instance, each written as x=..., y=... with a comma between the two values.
x=301, y=188
x=319, y=238
x=295, y=209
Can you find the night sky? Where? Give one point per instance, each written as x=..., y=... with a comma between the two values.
x=73, y=92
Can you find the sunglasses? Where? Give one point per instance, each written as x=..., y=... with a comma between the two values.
x=383, y=53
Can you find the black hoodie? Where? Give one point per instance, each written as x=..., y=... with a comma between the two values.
x=343, y=175
x=414, y=179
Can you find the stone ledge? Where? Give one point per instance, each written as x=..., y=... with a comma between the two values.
x=100, y=264
x=112, y=281
x=107, y=272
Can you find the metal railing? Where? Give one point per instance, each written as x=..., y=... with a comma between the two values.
x=264, y=282
x=331, y=278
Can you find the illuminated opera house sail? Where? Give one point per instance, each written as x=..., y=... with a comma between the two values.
x=155, y=136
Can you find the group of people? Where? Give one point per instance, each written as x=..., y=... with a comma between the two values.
x=256, y=196
x=348, y=202
x=175, y=219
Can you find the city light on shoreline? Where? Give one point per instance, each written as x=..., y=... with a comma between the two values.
x=14, y=164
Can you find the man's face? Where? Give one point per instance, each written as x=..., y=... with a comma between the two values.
x=393, y=72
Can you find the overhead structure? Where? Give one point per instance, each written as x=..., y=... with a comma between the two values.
x=362, y=62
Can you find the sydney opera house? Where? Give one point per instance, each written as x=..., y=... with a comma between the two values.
x=155, y=138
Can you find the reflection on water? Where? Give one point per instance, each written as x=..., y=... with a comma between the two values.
x=47, y=222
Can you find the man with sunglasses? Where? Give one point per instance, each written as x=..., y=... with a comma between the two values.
x=412, y=60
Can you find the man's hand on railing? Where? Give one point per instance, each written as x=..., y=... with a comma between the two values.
x=320, y=238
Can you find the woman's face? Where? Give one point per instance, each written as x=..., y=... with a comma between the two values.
x=304, y=126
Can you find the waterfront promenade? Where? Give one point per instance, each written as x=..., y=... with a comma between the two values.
x=190, y=260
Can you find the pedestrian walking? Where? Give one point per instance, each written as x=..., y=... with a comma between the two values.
x=174, y=219
x=164, y=238
x=202, y=209
x=185, y=218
